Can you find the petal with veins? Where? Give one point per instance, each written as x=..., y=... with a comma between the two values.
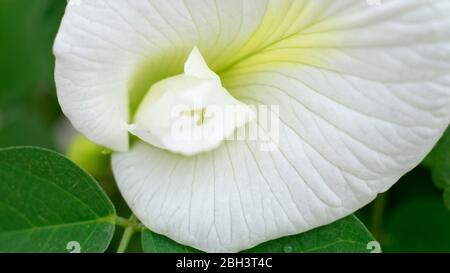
x=364, y=95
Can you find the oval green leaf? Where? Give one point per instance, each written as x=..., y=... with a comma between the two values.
x=345, y=235
x=48, y=204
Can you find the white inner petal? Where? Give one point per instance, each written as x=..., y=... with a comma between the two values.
x=190, y=113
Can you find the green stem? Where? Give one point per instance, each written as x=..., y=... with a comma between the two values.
x=131, y=225
x=378, y=209
x=122, y=222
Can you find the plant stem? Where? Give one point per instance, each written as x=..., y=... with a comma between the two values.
x=122, y=222
x=131, y=225
x=378, y=208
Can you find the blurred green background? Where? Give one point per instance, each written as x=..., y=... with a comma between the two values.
x=411, y=217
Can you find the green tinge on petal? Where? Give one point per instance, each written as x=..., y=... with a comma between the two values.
x=280, y=39
x=148, y=73
x=277, y=38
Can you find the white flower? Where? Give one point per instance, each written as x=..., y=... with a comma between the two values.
x=363, y=92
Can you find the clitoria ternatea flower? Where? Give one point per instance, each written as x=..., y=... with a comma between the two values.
x=363, y=95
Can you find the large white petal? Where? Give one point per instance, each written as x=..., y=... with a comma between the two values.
x=363, y=89
x=364, y=95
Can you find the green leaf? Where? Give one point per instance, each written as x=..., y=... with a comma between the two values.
x=47, y=202
x=418, y=225
x=156, y=243
x=345, y=235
